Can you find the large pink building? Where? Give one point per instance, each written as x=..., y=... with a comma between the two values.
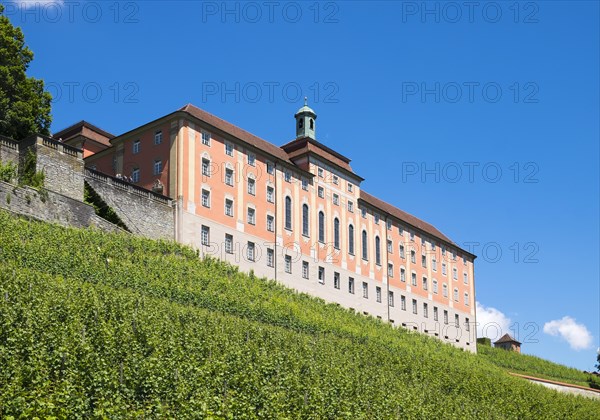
x=296, y=214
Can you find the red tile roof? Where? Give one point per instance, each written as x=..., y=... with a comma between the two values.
x=237, y=132
x=85, y=129
x=407, y=218
x=506, y=338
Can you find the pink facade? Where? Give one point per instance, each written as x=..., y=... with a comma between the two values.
x=302, y=204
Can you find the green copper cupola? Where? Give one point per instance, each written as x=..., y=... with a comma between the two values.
x=305, y=121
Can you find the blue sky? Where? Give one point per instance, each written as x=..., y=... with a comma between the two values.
x=483, y=121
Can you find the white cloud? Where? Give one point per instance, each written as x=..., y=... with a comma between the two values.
x=491, y=322
x=577, y=335
x=28, y=4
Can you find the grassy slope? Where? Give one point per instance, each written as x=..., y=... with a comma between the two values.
x=535, y=366
x=117, y=326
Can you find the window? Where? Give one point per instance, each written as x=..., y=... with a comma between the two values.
x=365, y=254
x=425, y=310
x=251, y=216
x=228, y=244
x=466, y=299
x=136, y=147
x=206, y=198
x=320, y=172
x=377, y=250
x=305, y=184
x=433, y=246
x=270, y=194
x=305, y=220
x=390, y=247
x=304, y=269
x=425, y=284
x=464, y=263
x=205, y=167
x=455, y=294
x=351, y=206
x=336, y=180
x=157, y=167
x=250, y=251
x=322, y=275
x=229, y=176
x=321, y=192
x=206, y=138
x=413, y=256
x=321, y=227
x=287, y=176
x=270, y=168
x=423, y=242
x=424, y=260
x=270, y=223
x=350, y=285
x=376, y=218
x=454, y=273
x=336, y=200
x=251, y=186
x=467, y=325
x=435, y=286
x=389, y=224
x=251, y=159
x=414, y=306
x=443, y=250
x=351, y=240
x=465, y=278
x=135, y=175
x=229, y=207
x=228, y=148
x=412, y=236
x=435, y=313
x=445, y=290
x=400, y=231
x=453, y=255
x=413, y=279
x=390, y=270
x=288, y=213
x=402, y=253
x=205, y=235
x=391, y=299
x=270, y=257
x=363, y=213
x=434, y=264
x=336, y=233
x=288, y=264
x=403, y=303
x=446, y=317
x=444, y=268
x=456, y=321
x=365, y=290
x=350, y=187
x=158, y=137
x=336, y=280
x=378, y=294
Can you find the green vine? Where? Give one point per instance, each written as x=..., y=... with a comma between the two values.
x=101, y=208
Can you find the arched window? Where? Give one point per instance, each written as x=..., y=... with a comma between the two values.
x=364, y=245
x=351, y=239
x=321, y=226
x=305, y=219
x=288, y=213
x=336, y=233
x=312, y=124
x=377, y=250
